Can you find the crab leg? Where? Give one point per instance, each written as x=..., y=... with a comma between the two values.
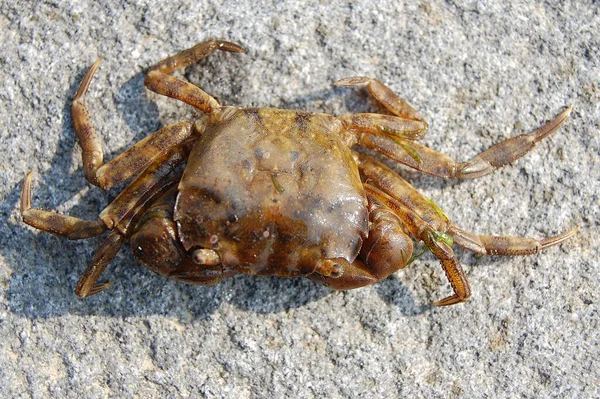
x=395, y=186
x=158, y=79
x=130, y=162
x=120, y=210
x=427, y=222
x=406, y=123
x=55, y=223
x=133, y=200
x=434, y=240
x=386, y=125
x=382, y=177
x=127, y=206
x=73, y=228
x=390, y=100
x=437, y=164
x=388, y=181
x=505, y=246
x=86, y=286
x=453, y=269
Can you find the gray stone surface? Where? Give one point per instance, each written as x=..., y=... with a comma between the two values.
x=478, y=71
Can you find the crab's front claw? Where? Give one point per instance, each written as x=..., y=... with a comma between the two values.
x=354, y=275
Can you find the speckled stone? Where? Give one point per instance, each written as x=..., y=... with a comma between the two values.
x=478, y=71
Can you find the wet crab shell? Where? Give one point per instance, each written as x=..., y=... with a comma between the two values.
x=272, y=192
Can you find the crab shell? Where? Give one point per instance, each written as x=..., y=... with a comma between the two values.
x=272, y=192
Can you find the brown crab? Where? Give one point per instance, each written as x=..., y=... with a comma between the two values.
x=277, y=192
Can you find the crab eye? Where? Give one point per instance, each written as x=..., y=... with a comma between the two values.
x=205, y=256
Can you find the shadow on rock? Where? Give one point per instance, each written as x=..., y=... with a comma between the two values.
x=393, y=292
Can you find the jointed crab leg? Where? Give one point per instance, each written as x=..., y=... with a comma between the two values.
x=505, y=246
x=386, y=125
x=388, y=181
x=385, y=96
x=407, y=122
x=55, y=223
x=156, y=185
x=116, y=215
x=382, y=177
x=435, y=163
x=428, y=223
x=436, y=243
x=133, y=200
x=86, y=286
x=129, y=162
x=420, y=157
x=452, y=267
x=159, y=80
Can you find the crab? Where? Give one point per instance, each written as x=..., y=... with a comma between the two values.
x=278, y=192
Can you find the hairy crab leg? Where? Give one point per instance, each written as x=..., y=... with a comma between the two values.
x=130, y=162
x=435, y=163
x=434, y=240
x=505, y=246
x=159, y=81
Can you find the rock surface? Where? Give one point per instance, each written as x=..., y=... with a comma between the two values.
x=479, y=72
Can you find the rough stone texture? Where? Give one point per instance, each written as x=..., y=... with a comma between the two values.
x=478, y=71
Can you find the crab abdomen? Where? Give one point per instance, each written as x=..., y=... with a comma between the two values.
x=272, y=192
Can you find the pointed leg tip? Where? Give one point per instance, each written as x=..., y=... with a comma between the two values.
x=355, y=81
x=90, y=73
x=559, y=239
x=25, y=203
x=28, y=179
x=451, y=300
x=573, y=231
x=569, y=109
x=87, y=79
x=231, y=47
x=565, y=114
x=550, y=127
x=86, y=292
